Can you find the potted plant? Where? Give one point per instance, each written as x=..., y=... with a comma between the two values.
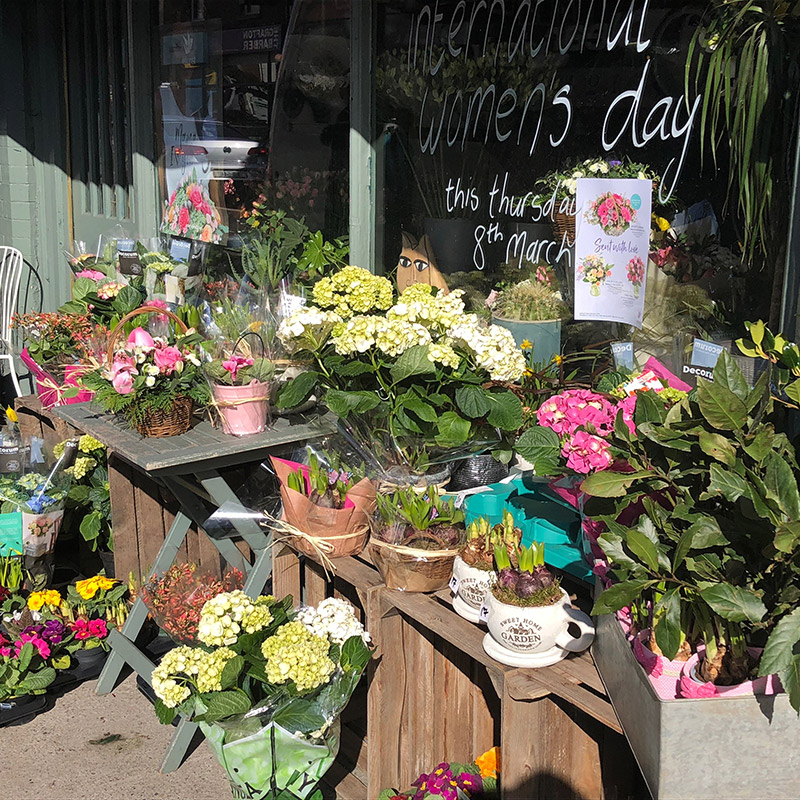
x=416, y=538
x=25, y=674
x=532, y=310
x=473, y=567
x=327, y=506
x=414, y=377
x=240, y=390
x=701, y=538
x=528, y=613
x=267, y=688
x=153, y=382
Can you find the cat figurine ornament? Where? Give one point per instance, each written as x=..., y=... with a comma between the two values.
x=417, y=264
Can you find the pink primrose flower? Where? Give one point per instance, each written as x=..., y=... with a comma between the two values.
x=167, y=359
x=586, y=453
x=37, y=641
x=98, y=628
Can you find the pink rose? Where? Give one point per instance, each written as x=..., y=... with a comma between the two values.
x=184, y=219
x=123, y=381
x=167, y=359
x=586, y=453
x=205, y=208
x=196, y=196
x=139, y=337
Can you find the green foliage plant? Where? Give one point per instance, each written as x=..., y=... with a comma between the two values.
x=530, y=301
x=703, y=527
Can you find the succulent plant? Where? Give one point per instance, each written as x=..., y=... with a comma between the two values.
x=528, y=584
x=529, y=301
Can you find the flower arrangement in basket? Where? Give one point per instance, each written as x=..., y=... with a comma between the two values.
x=612, y=212
x=594, y=270
x=635, y=270
x=240, y=386
x=152, y=381
x=416, y=538
x=191, y=212
x=329, y=509
x=267, y=686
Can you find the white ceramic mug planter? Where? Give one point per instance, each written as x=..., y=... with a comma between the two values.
x=535, y=636
x=470, y=586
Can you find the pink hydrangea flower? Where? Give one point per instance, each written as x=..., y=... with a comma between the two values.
x=628, y=406
x=168, y=359
x=586, y=453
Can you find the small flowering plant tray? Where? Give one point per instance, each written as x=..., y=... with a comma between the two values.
x=267, y=685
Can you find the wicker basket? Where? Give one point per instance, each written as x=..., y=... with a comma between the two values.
x=564, y=224
x=171, y=421
x=412, y=569
x=334, y=546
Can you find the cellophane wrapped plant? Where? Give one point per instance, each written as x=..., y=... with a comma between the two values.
x=175, y=599
x=455, y=781
x=58, y=339
x=424, y=521
x=267, y=686
x=483, y=537
x=414, y=373
x=527, y=584
x=702, y=529
x=148, y=374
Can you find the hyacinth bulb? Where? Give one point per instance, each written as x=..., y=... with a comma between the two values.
x=508, y=578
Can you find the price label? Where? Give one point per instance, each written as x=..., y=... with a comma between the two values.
x=454, y=584
x=459, y=501
x=483, y=614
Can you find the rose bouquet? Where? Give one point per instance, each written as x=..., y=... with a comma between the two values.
x=594, y=271
x=612, y=212
x=152, y=381
x=191, y=212
x=414, y=377
x=635, y=269
x=267, y=687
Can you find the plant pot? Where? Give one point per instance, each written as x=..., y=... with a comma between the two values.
x=243, y=410
x=412, y=569
x=480, y=470
x=536, y=636
x=40, y=531
x=171, y=422
x=544, y=335
x=88, y=663
x=107, y=560
x=17, y=710
x=564, y=227
x=747, y=742
x=469, y=586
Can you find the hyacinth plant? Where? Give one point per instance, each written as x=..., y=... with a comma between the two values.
x=529, y=583
x=149, y=374
x=483, y=538
x=415, y=370
x=325, y=487
x=266, y=684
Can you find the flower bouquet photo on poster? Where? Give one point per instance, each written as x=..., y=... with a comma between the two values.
x=192, y=213
x=267, y=686
x=612, y=243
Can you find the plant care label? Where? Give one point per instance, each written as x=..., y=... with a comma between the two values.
x=705, y=354
x=10, y=459
x=454, y=584
x=179, y=249
x=612, y=244
x=623, y=355
x=129, y=263
x=483, y=614
x=175, y=290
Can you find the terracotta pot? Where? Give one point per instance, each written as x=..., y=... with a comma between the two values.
x=244, y=410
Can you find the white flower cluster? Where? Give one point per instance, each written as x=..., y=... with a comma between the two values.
x=307, y=328
x=335, y=619
x=225, y=616
x=418, y=304
x=493, y=348
x=392, y=337
x=353, y=290
x=178, y=661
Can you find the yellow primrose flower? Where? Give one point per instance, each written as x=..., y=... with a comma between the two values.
x=50, y=597
x=526, y=344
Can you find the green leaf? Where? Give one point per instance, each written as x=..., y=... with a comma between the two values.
x=790, y=679
x=296, y=391
x=91, y=525
x=231, y=671
x=641, y=546
x=541, y=447
x=506, y=411
x=352, y=369
x=413, y=402
x=786, y=536
x=734, y=603
x=82, y=287
x=668, y=624
x=619, y=595
x=759, y=390
x=717, y=446
x=611, y=545
x=165, y=715
x=611, y=484
x=355, y=654
x=473, y=400
x=706, y=533
x=25, y=656
x=683, y=547
x=127, y=300
x=452, y=430
x=413, y=361
x=61, y=662
x=728, y=374
x=781, y=485
x=39, y=680
x=225, y=704
x=299, y=715
x=761, y=444
x=649, y=409
x=345, y=403
x=726, y=483
x=720, y=406
x=779, y=650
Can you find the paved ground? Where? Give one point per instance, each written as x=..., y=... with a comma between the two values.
x=101, y=748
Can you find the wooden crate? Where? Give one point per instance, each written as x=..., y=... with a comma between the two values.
x=434, y=695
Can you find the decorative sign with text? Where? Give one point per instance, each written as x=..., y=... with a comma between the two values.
x=611, y=247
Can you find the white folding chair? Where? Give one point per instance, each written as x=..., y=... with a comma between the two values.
x=10, y=272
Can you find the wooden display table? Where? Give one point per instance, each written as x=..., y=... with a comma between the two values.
x=434, y=695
